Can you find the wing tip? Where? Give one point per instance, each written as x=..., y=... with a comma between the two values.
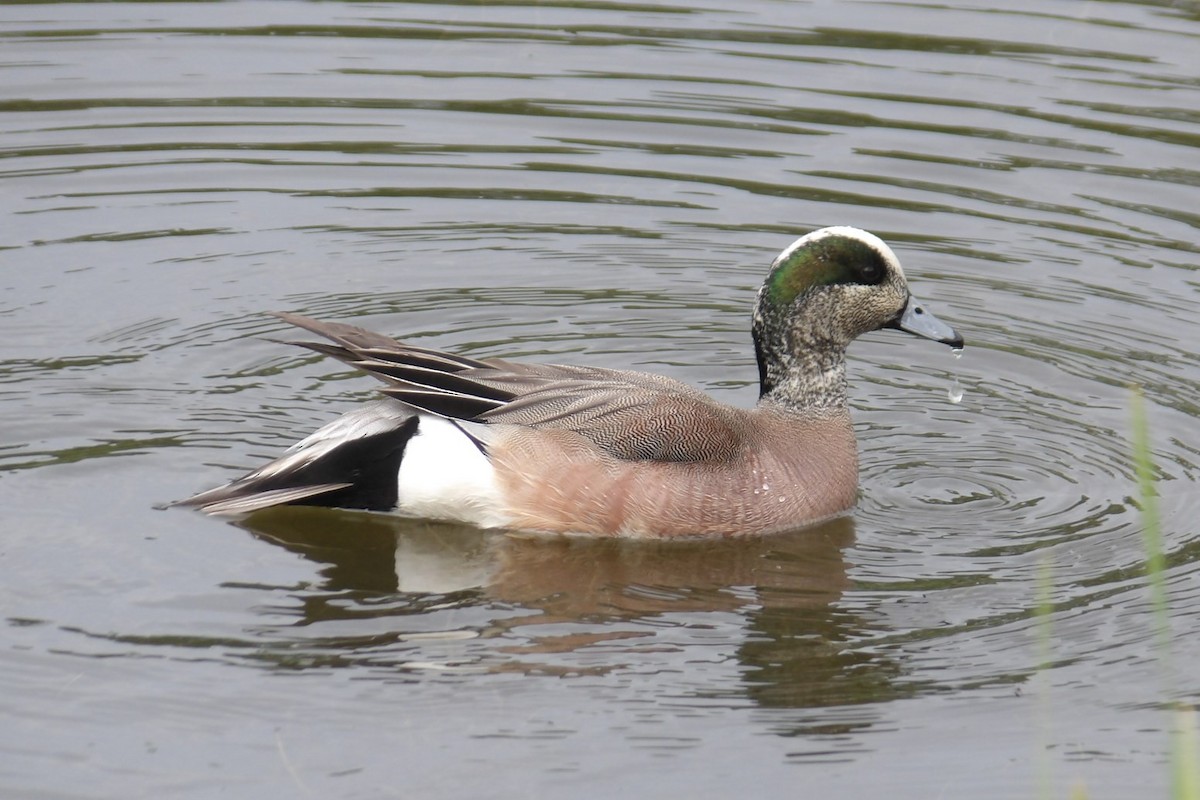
x=228, y=501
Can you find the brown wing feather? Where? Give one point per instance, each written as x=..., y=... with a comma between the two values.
x=631, y=415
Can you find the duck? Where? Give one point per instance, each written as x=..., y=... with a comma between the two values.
x=563, y=449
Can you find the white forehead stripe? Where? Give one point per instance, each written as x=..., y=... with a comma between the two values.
x=866, y=237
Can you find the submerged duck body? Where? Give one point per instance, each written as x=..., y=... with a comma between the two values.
x=560, y=448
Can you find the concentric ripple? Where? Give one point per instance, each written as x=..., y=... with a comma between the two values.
x=594, y=183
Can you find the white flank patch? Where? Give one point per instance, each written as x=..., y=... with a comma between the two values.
x=443, y=475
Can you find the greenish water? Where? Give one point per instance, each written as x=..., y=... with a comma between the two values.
x=595, y=183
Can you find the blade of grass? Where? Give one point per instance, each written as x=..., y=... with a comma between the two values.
x=1185, y=762
x=1186, y=756
x=1045, y=649
x=1151, y=530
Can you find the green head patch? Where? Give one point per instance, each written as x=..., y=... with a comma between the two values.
x=828, y=259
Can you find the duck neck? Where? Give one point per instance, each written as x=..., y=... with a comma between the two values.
x=800, y=373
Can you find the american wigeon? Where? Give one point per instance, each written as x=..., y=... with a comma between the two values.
x=543, y=447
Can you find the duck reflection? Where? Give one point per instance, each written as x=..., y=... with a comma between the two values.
x=793, y=642
x=563, y=577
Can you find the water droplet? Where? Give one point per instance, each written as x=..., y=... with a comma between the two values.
x=955, y=392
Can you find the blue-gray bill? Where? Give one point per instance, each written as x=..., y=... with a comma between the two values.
x=916, y=320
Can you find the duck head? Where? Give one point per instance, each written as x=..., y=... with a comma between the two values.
x=824, y=291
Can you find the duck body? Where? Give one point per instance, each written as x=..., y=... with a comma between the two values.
x=756, y=489
x=557, y=448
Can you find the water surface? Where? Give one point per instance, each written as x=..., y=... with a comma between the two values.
x=595, y=183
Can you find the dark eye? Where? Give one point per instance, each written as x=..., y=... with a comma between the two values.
x=870, y=271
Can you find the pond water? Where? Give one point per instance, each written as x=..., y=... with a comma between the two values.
x=597, y=183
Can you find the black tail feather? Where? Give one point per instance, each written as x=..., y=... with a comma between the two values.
x=358, y=473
